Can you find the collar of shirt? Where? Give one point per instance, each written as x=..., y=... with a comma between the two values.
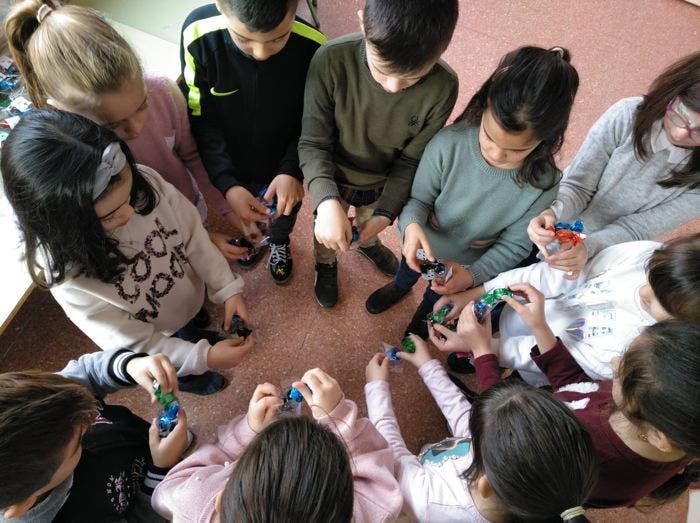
x=659, y=142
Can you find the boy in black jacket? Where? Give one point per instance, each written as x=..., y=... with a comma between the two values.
x=244, y=67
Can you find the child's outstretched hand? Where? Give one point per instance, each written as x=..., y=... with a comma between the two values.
x=157, y=367
x=264, y=406
x=477, y=334
x=245, y=205
x=570, y=260
x=418, y=358
x=378, y=368
x=446, y=340
x=166, y=451
x=289, y=192
x=461, y=280
x=326, y=392
x=459, y=301
x=229, y=353
x=235, y=305
x=230, y=252
x=538, y=232
x=332, y=228
x=414, y=238
x=532, y=313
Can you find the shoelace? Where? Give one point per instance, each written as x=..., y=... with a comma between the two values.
x=278, y=253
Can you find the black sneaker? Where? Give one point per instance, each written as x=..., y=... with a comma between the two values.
x=382, y=257
x=253, y=258
x=385, y=298
x=419, y=322
x=326, y=284
x=202, y=384
x=459, y=365
x=280, y=262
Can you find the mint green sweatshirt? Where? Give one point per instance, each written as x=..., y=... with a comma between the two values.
x=356, y=134
x=471, y=200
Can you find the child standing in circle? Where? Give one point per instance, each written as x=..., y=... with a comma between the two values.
x=482, y=179
x=122, y=251
x=70, y=58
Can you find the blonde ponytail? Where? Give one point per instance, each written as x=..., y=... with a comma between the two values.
x=71, y=56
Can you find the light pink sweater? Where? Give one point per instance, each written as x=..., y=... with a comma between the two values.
x=189, y=490
x=166, y=144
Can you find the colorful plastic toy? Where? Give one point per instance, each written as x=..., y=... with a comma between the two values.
x=238, y=328
x=440, y=317
x=483, y=307
x=170, y=408
x=566, y=233
x=408, y=345
x=430, y=270
x=272, y=207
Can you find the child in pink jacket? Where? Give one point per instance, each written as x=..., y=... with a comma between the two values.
x=289, y=468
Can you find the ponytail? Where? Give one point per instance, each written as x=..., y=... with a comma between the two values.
x=67, y=53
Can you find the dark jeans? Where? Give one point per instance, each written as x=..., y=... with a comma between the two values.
x=282, y=227
x=405, y=278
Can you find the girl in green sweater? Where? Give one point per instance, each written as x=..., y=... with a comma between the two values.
x=482, y=179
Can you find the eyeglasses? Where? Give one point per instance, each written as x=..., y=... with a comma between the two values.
x=681, y=121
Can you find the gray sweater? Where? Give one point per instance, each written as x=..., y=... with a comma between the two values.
x=614, y=193
x=472, y=200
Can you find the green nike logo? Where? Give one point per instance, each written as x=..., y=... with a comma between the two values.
x=217, y=93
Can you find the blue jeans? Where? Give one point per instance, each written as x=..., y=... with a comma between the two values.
x=405, y=278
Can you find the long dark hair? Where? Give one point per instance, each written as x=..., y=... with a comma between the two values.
x=536, y=455
x=532, y=88
x=673, y=272
x=294, y=470
x=659, y=380
x=682, y=80
x=48, y=169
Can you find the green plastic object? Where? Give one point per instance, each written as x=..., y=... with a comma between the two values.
x=440, y=316
x=165, y=398
x=496, y=295
x=408, y=345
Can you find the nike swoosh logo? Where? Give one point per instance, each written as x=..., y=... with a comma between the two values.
x=217, y=93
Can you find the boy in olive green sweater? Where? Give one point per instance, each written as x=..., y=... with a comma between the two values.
x=372, y=102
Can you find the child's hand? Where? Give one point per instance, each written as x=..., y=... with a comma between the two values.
x=235, y=305
x=372, y=227
x=229, y=353
x=413, y=239
x=418, y=358
x=332, y=228
x=446, y=340
x=166, y=452
x=245, y=205
x=264, y=406
x=477, y=334
x=378, y=368
x=537, y=230
x=289, y=192
x=157, y=367
x=461, y=280
x=230, y=252
x=459, y=300
x=531, y=312
x=571, y=260
x=326, y=392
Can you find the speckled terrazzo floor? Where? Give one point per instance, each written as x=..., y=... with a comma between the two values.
x=618, y=48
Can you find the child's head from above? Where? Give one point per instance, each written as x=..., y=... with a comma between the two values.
x=75, y=61
x=43, y=417
x=530, y=452
x=674, y=96
x=294, y=470
x=405, y=38
x=673, y=276
x=70, y=182
x=523, y=111
x=259, y=29
x=656, y=386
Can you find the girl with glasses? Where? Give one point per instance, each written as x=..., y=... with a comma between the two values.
x=637, y=174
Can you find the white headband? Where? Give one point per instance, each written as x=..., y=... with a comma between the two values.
x=113, y=161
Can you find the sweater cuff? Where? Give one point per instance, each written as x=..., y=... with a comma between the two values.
x=154, y=475
x=322, y=189
x=233, y=288
x=558, y=352
x=117, y=369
